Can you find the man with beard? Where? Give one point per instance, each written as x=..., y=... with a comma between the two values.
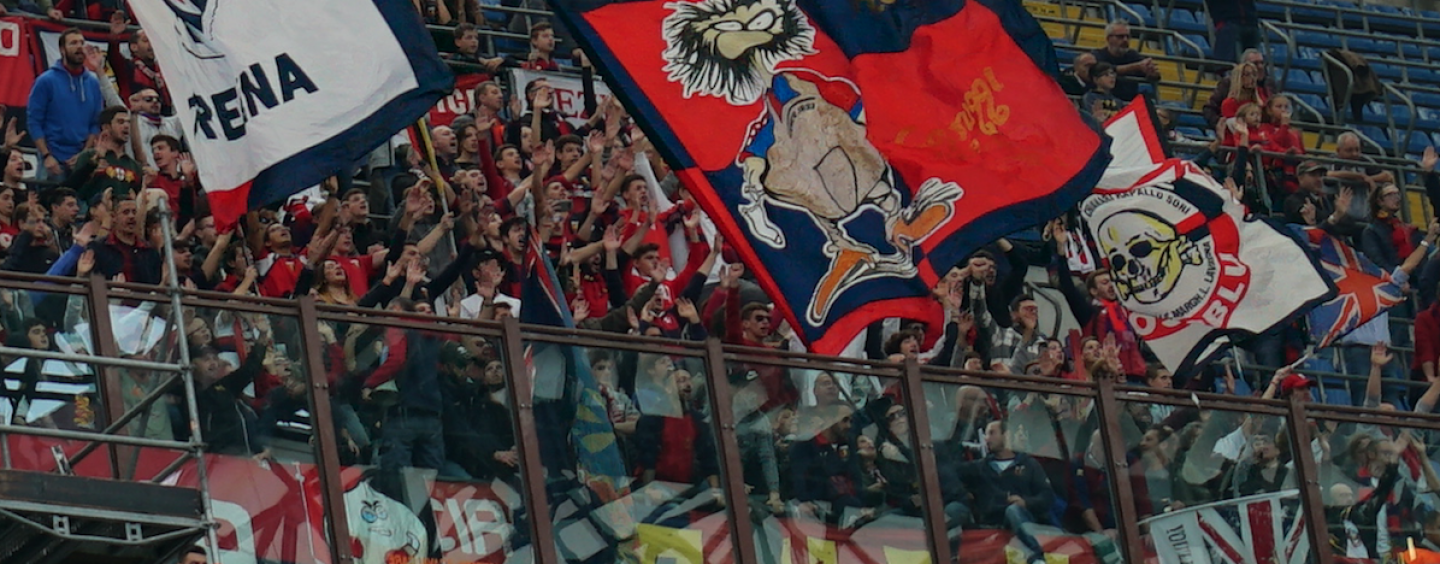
x=139, y=71
x=64, y=107
x=107, y=166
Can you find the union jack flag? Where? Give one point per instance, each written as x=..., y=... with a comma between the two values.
x=1364, y=290
x=1259, y=529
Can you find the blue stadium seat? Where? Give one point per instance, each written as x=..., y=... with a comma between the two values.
x=1307, y=58
x=1185, y=21
x=1193, y=133
x=1427, y=119
x=1425, y=99
x=1315, y=101
x=1313, y=39
x=1412, y=51
x=1424, y=76
x=1303, y=82
x=1358, y=45
x=1387, y=72
x=1185, y=50
x=1374, y=112
x=1145, y=14
x=1378, y=135
x=1190, y=120
x=1279, y=54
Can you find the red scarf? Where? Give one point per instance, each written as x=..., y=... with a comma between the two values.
x=1399, y=235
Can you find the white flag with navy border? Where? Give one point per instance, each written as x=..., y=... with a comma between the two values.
x=277, y=95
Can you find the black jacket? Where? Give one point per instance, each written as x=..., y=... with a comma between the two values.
x=1024, y=478
x=227, y=424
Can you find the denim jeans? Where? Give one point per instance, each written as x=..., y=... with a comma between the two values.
x=412, y=440
x=1016, y=518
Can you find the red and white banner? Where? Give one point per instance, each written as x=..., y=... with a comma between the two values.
x=1257, y=528
x=569, y=91
x=1190, y=267
x=461, y=100
x=17, y=73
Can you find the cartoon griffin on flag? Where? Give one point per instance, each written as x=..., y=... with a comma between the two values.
x=807, y=151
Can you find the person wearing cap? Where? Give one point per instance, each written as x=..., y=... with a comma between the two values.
x=227, y=422
x=1310, y=205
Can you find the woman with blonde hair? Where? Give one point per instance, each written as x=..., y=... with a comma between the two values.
x=1244, y=88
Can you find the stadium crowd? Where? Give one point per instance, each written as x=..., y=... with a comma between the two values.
x=445, y=231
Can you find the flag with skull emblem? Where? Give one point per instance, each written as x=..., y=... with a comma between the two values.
x=1191, y=271
x=850, y=152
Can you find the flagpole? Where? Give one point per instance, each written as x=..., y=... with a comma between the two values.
x=422, y=127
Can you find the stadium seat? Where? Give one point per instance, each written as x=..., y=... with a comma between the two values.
x=1316, y=102
x=1313, y=39
x=1304, y=82
x=1184, y=49
x=1425, y=99
x=1185, y=21
x=1145, y=14
x=1387, y=72
x=1378, y=135
x=1358, y=45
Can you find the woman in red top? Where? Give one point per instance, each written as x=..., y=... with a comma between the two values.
x=1246, y=89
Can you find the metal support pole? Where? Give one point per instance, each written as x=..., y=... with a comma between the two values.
x=119, y=424
x=932, y=504
x=521, y=396
x=104, y=340
x=324, y=432
x=742, y=529
x=1308, y=475
x=182, y=342
x=1122, y=500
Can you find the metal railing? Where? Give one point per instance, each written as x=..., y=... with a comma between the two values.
x=1108, y=396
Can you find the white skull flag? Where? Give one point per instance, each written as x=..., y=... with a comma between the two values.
x=1191, y=270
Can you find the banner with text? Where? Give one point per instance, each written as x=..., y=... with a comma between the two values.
x=274, y=105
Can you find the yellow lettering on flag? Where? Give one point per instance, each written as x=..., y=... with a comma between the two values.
x=897, y=556
x=677, y=545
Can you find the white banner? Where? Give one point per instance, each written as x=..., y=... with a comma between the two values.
x=1261, y=528
x=286, y=93
x=1189, y=267
x=569, y=91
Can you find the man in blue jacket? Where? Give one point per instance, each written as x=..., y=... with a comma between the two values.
x=64, y=107
x=1010, y=489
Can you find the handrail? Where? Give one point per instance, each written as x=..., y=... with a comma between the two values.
x=1400, y=149
x=1290, y=48
x=1337, y=103
x=1172, y=34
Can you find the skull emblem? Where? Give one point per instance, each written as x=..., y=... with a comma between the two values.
x=1147, y=256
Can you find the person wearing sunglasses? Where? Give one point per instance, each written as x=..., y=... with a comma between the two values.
x=1129, y=64
x=147, y=122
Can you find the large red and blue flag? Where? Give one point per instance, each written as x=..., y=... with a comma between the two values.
x=851, y=151
x=1364, y=290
